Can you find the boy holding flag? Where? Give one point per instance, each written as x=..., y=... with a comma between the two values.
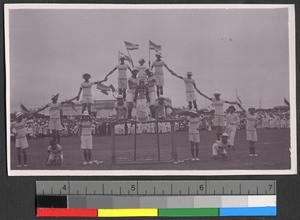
x=122, y=77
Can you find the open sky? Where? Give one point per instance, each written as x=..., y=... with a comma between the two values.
x=229, y=50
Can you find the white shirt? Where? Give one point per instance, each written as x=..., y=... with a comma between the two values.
x=251, y=121
x=232, y=119
x=122, y=70
x=54, y=110
x=86, y=128
x=189, y=84
x=194, y=125
x=158, y=67
x=218, y=104
x=151, y=84
x=135, y=82
x=142, y=72
x=121, y=109
x=20, y=128
x=86, y=88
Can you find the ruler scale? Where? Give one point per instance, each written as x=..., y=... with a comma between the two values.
x=156, y=198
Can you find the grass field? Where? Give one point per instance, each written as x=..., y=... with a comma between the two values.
x=272, y=148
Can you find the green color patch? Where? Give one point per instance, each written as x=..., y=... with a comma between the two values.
x=189, y=212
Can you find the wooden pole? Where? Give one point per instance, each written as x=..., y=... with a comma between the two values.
x=130, y=58
x=135, y=141
x=113, y=146
x=149, y=57
x=157, y=138
x=174, y=152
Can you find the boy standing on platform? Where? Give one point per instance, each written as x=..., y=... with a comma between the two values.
x=86, y=88
x=55, y=115
x=121, y=108
x=151, y=92
x=132, y=85
x=189, y=88
x=219, y=116
x=122, y=77
x=158, y=65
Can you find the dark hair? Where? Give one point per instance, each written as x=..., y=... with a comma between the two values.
x=52, y=142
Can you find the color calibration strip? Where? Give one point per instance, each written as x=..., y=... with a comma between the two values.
x=117, y=206
x=155, y=198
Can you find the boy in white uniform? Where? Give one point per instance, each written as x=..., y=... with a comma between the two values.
x=85, y=131
x=194, y=136
x=219, y=115
x=132, y=85
x=232, y=120
x=55, y=113
x=219, y=147
x=18, y=128
x=252, y=122
x=55, y=154
x=158, y=65
x=121, y=108
x=160, y=108
x=151, y=91
x=122, y=77
x=86, y=89
x=142, y=76
x=189, y=88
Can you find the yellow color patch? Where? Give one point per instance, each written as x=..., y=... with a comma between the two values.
x=127, y=212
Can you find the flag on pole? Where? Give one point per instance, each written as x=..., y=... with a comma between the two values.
x=131, y=46
x=153, y=46
x=126, y=56
x=286, y=102
x=238, y=98
x=23, y=108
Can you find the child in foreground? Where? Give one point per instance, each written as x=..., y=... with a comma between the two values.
x=55, y=154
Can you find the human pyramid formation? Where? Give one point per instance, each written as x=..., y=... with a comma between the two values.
x=140, y=93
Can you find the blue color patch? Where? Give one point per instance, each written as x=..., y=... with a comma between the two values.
x=251, y=211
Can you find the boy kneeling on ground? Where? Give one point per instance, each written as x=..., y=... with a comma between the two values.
x=218, y=148
x=55, y=154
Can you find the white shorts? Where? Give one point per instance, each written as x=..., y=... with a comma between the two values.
x=87, y=99
x=251, y=135
x=219, y=120
x=194, y=137
x=130, y=96
x=54, y=124
x=152, y=97
x=190, y=96
x=86, y=142
x=21, y=143
x=122, y=83
x=159, y=80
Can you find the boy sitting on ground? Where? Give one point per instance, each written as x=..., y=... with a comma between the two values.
x=55, y=154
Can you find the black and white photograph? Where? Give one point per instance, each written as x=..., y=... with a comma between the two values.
x=96, y=90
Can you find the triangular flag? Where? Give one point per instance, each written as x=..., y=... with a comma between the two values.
x=23, y=108
x=286, y=102
x=153, y=46
x=238, y=98
x=131, y=46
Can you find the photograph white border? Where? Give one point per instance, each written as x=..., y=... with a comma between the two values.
x=292, y=89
